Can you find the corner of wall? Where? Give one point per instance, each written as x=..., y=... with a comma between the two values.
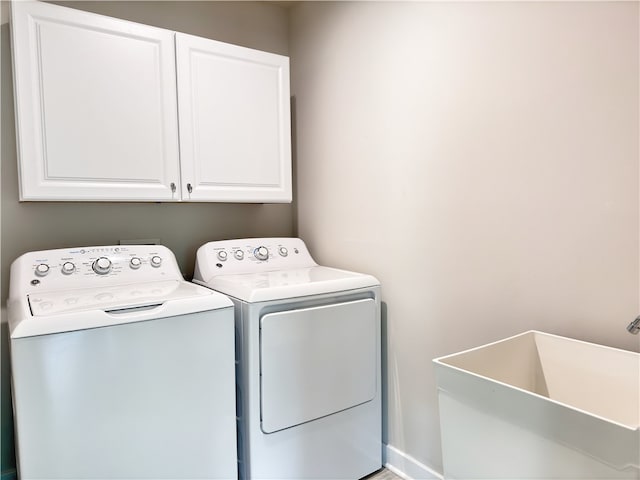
x=4, y=18
x=406, y=466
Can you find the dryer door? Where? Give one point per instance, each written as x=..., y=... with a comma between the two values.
x=316, y=361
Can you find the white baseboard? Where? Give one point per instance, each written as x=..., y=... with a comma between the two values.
x=408, y=467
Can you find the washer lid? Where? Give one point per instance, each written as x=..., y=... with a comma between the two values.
x=79, y=309
x=114, y=298
x=281, y=284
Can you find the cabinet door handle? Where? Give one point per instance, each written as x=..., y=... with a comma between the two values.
x=189, y=188
x=173, y=187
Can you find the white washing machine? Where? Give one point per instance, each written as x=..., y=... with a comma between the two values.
x=120, y=368
x=308, y=349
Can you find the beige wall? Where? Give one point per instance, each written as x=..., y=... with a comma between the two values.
x=181, y=227
x=481, y=159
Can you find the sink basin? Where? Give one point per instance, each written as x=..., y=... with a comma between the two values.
x=540, y=406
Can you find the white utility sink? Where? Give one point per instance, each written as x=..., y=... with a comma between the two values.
x=540, y=406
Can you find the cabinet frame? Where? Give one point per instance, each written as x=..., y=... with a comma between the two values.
x=170, y=167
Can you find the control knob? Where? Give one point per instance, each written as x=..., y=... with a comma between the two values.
x=261, y=253
x=135, y=263
x=222, y=256
x=156, y=261
x=42, y=270
x=102, y=266
x=239, y=254
x=283, y=251
x=68, y=268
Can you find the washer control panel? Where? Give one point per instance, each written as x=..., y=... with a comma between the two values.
x=94, y=266
x=251, y=255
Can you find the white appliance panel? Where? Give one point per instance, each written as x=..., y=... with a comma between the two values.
x=117, y=402
x=308, y=360
x=54, y=291
x=120, y=368
x=342, y=446
x=111, y=299
x=237, y=257
x=316, y=361
x=300, y=282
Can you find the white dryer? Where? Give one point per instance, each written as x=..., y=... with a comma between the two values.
x=120, y=368
x=308, y=349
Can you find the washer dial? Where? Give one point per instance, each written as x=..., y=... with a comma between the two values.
x=135, y=263
x=68, y=268
x=239, y=254
x=156, y=261
x=42, y=270
x=222, y=255
x=261, y=253
x=102, y=266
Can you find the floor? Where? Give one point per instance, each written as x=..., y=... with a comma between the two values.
x=383, y=474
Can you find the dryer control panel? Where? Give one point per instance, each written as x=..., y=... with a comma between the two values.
x=251, y=255
x=88, y=267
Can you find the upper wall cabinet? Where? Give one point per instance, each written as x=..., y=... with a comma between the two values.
x=97, y=110
x=95, y=102
x=234, y=113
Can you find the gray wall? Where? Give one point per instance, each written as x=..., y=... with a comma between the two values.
x=481, y=159
x=181, y=227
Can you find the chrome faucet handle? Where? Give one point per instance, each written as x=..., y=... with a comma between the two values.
x=634, y=327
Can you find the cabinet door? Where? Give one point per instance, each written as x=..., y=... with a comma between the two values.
x=95, y=106
x=233, y=106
